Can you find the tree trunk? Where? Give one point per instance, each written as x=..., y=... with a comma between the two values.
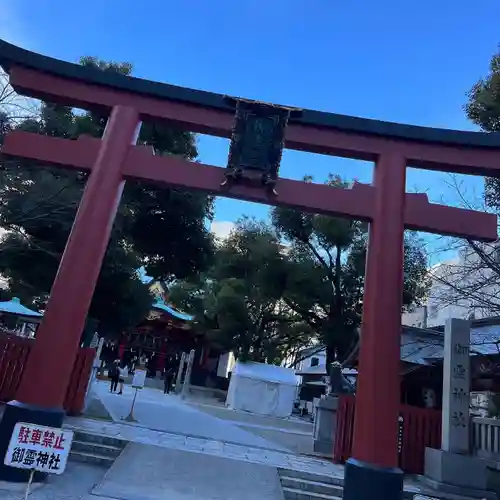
x=330, y=355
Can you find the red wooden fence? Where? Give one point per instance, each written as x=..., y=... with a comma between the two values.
x=419, y=429
x=14, y=352
x=79, y=381
x=13, y=355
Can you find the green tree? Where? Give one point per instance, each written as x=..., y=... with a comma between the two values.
x=279, y=288
x=325, y=273
x=159, y=228
x=5, y=295
x=238, y=302
x=483, y=109
x=473, y=281
x=13, y=108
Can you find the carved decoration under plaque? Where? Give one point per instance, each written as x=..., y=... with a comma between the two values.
x=257, y=143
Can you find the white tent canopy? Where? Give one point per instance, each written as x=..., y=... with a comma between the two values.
x=262, y=389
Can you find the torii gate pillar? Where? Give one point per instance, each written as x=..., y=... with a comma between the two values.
x=40, y=396
x=376, y=432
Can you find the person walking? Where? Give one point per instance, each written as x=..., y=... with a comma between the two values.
x=114, y=375
x=122, y=373
x=169, y=374
x=133, y=363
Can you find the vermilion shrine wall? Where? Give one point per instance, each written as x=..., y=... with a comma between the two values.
x=14, y=354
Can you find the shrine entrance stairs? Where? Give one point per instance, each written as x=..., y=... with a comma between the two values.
x=96, y=449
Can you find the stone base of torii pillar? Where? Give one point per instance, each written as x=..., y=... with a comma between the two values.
x=452, y=469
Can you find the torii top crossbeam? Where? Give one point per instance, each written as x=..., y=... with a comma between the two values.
x=205, y=112
x=315, y=131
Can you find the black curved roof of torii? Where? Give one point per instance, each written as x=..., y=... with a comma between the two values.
x=11, y=55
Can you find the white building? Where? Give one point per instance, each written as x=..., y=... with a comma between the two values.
x=311, y=357
x=464, y=287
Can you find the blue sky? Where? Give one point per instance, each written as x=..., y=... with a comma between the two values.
x=389, y=59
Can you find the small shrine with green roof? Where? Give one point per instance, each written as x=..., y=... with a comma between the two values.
x=17, y=319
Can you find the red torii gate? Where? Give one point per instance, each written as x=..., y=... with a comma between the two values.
x=372, y=473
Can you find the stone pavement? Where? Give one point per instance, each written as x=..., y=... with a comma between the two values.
x=75, y=484
x=153, y=473
x=169, y=413
x=243, y=418
x=293, y=433
x=214, y=447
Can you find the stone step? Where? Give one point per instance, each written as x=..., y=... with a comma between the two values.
x=91, y=458
x=319, y=483
x=312, y=476
x=433, y=489
x=87, y=437
x=330, y=490
x=299, y=494
x=105, y=450
x=440, y=495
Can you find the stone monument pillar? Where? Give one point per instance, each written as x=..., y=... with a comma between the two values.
x=456, y=387
x=325, y=425
x=96, y=364
x=187, y=378
x=93, y=406
x=451, y=468
x=178, y=380
x=325, y=419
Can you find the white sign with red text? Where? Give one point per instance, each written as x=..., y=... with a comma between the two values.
x=139, y=379
x=38, y=448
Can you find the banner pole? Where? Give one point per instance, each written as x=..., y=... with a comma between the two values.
x=28, y=486
x=130, y=416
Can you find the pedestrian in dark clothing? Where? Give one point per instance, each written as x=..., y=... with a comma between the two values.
x=114, y=375
x=169, y=374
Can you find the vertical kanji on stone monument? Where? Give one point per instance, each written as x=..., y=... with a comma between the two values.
x=456, y=387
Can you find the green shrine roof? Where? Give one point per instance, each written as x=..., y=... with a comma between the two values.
x=162, y=306
x=14, y=306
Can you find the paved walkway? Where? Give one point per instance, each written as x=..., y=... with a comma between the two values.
x=154, y=473
x=253, y=455
x=218, y=447
x=75, y=484
x=169, y=413
x=175, y=428
x=291, y=424
x=271, y=457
